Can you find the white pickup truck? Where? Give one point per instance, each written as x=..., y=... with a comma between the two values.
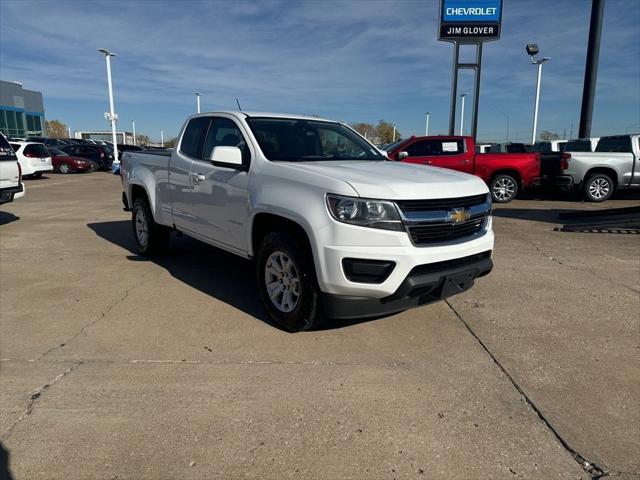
x=11, y=186
x=334, y=228
x=615, y=164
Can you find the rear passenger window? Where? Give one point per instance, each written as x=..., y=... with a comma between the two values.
x=193, y=137
x=224, y=132
x=436, y=147
x=614, y=144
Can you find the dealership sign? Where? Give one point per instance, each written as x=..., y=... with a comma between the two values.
x=470, y=21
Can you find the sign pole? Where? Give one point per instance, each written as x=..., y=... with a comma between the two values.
x=454, y=89
x=468, y=22
x=476, y=95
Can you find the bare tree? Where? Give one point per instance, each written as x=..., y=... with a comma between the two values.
x=545, y=136
x=56, y=129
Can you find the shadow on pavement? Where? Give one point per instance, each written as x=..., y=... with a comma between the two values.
x=5, y=472
x=612, y=214
x=222, y=275
x=7, y=217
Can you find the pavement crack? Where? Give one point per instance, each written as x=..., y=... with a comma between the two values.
x=100, y=317
x=36, y=395
x=572, y=267
x=593, y=470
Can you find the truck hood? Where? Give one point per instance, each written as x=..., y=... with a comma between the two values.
x=397, y=180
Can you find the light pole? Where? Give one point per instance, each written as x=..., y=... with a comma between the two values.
x=133, y=126
x=197, y=101
x=112, y=117
x=508, y=122
x=462, y=95
x=426, y=127
x=532, y=50
x=161, y=138
x=394, y=132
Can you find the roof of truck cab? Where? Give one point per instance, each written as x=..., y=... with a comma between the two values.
x=250, y=114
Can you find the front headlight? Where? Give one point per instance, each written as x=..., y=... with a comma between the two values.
x=365, y=212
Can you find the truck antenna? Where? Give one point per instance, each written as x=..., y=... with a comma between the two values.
x=239, y=107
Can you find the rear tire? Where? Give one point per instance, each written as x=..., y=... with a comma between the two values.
x=287, y=282
x=151, y=238
x=504, y=188
x=598, y=188
x=36, y=175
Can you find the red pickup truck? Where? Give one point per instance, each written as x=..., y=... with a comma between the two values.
x=505, y=173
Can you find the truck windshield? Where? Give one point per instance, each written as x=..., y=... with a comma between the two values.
x=301, y=140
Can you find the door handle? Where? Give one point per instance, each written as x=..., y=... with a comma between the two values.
x=197, y=177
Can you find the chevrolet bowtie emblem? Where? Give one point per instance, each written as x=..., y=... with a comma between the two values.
x=459, y=215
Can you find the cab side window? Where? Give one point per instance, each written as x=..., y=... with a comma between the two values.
x=193, y=137
x=418, y=149
x=224, y=132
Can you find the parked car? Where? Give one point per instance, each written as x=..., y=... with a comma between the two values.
x=614, y=165
x=34, y=158
x=49, y=142
x=509, y=147
x=582, y=145
x=333, y=226
x=100, y=154
x=11, y=186
x=505, y=173
x=64, y=163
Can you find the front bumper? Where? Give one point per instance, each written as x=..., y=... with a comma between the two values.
x=342, y=241
x=425, y=284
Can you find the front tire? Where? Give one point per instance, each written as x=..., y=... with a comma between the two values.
x=64, y=168
x=151, y=238
x=504, y=188
x=598, y=188
x=287, y=282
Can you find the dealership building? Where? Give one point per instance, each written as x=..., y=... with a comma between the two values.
x=21, y=111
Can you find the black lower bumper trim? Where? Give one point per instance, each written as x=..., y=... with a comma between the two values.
x=7, y=194
x=425, y=284
x=556, y=181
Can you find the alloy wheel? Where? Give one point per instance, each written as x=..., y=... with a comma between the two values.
x=282, y=280
x=504, y=189
x=599, y=188
x=142, y=227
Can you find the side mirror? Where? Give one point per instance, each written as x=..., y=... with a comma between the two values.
x=402, y=155
x=231, y=156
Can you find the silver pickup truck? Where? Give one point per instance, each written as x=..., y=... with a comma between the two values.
x=614, y=165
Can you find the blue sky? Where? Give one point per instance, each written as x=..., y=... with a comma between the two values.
x=355, y=60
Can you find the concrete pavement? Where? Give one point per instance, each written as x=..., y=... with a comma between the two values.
x=114, y=366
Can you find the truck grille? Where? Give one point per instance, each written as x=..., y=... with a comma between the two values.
x=431, y=221
x=440, y=203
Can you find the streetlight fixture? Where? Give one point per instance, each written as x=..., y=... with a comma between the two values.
x=532, y=51
x=197, y=101
x=426, y=127
x=462, y=95
x=111, y=116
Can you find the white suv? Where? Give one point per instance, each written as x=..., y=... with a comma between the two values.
x=11, y=186
x=34, y=158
